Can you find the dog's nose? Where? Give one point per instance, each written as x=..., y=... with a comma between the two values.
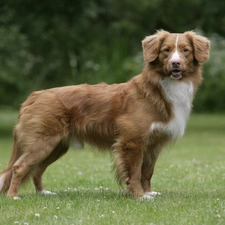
x=175, y=63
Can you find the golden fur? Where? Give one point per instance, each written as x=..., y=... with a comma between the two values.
x=130, y=119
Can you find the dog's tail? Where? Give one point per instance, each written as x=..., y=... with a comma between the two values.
x=6, y=174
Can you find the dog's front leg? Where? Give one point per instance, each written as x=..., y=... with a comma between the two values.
x=147, y=171
x=129, y=157
x=133, y=181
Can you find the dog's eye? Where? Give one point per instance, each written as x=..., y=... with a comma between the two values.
x=166, y=50
x=186, y=50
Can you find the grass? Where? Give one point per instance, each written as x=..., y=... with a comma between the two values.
x=190, y=176
x=7, y=121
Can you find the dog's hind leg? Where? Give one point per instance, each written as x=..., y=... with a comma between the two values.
x=37, y=173
x=33, y=154
x=6, y=174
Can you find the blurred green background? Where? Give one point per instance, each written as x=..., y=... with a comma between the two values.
x=44, y=44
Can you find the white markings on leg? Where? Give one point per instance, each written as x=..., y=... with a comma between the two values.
x=152, y=193
x=16, y=198
x=146, y=197
x=149, y=195
x=45, y=192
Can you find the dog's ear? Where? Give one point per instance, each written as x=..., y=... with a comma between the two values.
x=201, y=46
x=151, y=45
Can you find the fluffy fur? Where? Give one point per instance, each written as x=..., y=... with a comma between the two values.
x=134, y=120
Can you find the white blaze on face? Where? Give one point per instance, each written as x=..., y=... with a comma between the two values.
x=175, y=56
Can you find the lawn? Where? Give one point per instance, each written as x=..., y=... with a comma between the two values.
x=189, y=174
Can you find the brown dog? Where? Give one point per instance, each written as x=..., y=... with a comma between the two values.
x=134, y=120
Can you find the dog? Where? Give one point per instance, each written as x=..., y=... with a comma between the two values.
x=134, y=120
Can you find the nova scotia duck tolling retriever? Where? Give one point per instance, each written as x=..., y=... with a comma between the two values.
x=134, y=120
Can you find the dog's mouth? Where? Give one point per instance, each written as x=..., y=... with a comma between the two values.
x=176, y=74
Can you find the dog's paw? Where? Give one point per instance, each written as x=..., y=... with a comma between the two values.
x=149, y=195
x=146, y=197
x=16, y=198
x=152, y=193
x=45, y=192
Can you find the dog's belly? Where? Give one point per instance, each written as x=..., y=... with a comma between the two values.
x=95, y=137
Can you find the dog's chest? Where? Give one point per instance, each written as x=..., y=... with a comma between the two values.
x=180, y=95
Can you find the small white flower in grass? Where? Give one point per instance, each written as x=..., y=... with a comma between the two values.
x=56, y=217
x=15, y=222
x=37, y=215
x=113, y=212
x=57, y=208
x=26, y=223
x=79, y=173
x=101, y=216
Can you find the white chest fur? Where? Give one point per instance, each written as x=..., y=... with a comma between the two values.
x=180, y=95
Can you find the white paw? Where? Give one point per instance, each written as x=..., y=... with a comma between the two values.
x=16, y=198
x=146, y=197
x=45, y=192
x=152, y=193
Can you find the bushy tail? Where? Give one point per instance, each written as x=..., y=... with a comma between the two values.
x=6, y=174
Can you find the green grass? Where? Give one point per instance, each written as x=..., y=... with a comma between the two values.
x=7, y=121
x=189, y=174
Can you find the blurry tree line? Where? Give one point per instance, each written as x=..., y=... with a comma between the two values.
x=45, y=44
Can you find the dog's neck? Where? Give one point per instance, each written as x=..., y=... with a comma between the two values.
x=149, y=87
x=147, y=82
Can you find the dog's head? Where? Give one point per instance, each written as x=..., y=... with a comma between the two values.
x=175, y=55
